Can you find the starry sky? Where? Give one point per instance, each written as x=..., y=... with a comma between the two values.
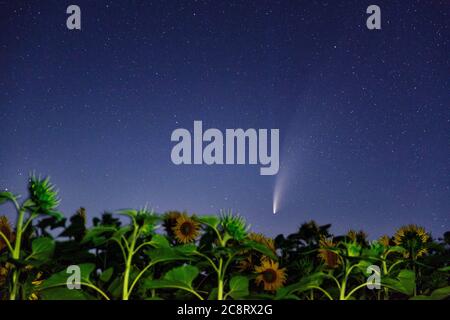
x=364, y=116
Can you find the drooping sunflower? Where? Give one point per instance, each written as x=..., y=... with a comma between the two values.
x=170, y=221
x=330, y=258
x=186, y=229
x=414, y=239
x=81, y=213
x=251, y=256
x=385, y=240
x=359, y=237
x=262, y=239
x=6, y=229
x=246, y=264
x=270, y=275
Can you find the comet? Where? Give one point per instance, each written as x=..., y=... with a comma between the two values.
x=287, y=177
x=279, y=190
x=291, y=166
x=275, y=202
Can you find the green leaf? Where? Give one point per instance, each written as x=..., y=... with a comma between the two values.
x=238, y=287
x=132, y=213
x=213, y=294
x=306, y=283
x=64, y=293
x=363, y=265
x=58, y=215
x=122, y=231
x=159, y=241
x=396, y=249
x=404, y=283
x=185, y=274
x=42, y=249
x=441, y=293
x=97, y=234
x=212, y=221
x=6, y=195
x=444, y=269
x=107, y=274
x=179, y=277
x=438, y=294
x=115, y=288
x=250, y=244
x=375, y=251
x=164, y=253
x=60, y=278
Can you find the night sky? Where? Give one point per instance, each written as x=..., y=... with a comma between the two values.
x=364, y=116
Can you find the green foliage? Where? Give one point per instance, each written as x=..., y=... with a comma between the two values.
x=180, y=278
x=124, y=255
x=405, y=282
x=238, y=287
x=438, y=294
x=42, y=249
x=307, y=283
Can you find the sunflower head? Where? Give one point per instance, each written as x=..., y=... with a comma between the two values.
x=270, y=275
x=6, y=229
x=330, y=258
x=246, y=264
x=234, y=225
x=146, y=220
x=414, y=239
x=384, y=240
x=44, y=197
x=359, y=237
x=252, y=256
x=262, y=239
x=81, y=214
x=170, y=221
x=186, y=229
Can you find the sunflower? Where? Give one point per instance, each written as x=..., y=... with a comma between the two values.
x=385, y=240
x=270, y=275
x=170, y=221
x=81, y=213
x=6, y=229
x=252, y=256
x=43, y=194
x=414, y=239
x=246, y=264
x=359, y=237
x=186, y=229
x=234, y=225
x=330, y=258
x=262, y=239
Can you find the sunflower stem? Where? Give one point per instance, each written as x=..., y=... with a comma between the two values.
x=8, y=244
x=126, y=278
x=385, y=271
x=343, y=284
x=16, y=252
x=220, y=281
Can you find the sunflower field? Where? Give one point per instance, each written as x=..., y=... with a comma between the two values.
x=142, y=255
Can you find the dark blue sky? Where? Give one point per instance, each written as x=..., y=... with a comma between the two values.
x=364, y=116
